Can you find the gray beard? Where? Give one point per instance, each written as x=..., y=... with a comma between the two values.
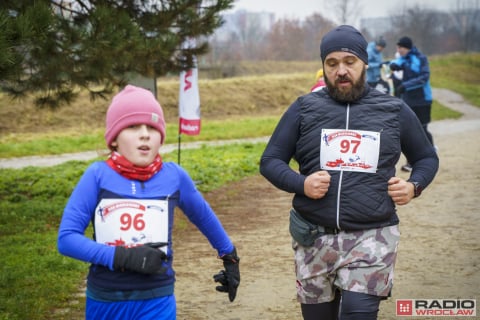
x=347, y=96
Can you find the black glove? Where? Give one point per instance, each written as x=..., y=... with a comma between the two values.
x=230, y=277
x=400, y=89
x=395, y=67
x=144, y=259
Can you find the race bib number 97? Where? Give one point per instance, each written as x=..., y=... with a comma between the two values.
x=131, y=222
x=349, y=150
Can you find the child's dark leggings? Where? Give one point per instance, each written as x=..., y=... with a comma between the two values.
x=347, y=306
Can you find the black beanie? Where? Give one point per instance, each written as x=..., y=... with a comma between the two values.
x=344, y=38
x=405, y=42
x=381, y=42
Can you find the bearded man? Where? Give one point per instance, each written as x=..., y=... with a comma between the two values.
x=347, y=139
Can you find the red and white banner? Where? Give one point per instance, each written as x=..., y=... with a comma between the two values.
x=189, y=103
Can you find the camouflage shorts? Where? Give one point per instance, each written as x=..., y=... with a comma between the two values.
x=359, y=261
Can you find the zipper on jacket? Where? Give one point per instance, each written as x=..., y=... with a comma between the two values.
x=338, y=198
x=340, y=178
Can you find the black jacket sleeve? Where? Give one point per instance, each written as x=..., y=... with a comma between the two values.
x=274, y=163
x=416, y=147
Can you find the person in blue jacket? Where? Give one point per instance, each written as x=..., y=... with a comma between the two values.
x=346, y=139
x=414, y=88
x=375, y=61
x=130, y=199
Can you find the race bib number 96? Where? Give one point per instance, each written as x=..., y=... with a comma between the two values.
x=131, y=222
x=349, y=150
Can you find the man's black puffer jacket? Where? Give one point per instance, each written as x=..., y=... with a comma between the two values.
x=355, y=200
x=360, y=199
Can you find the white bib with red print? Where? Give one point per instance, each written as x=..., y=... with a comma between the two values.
x=131, y=222
x=349, y=150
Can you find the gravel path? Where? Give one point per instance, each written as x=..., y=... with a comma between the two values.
x=468, y=122
x=47, y=161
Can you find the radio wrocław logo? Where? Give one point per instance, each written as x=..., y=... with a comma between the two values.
x=436, y=307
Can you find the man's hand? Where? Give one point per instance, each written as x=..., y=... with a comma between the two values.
x=316, y=185
x=400, y=190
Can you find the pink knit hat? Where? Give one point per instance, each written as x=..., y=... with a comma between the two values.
x=131, y=106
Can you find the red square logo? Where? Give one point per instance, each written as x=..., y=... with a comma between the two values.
x=404, y=307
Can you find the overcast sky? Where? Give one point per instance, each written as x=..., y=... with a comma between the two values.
x=370, y=8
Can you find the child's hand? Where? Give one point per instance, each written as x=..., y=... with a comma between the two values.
x=230, y=277
x=143, y=259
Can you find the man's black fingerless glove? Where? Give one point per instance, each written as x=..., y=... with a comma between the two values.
x=143, y=259
x=230, y=277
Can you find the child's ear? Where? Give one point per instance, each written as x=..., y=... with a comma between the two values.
x=114, y=144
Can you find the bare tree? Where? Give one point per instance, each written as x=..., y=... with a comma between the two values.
x=423, y=26
x=432, y=31
x=345, y=11
x=285, y=41
x=252, y=34
x=465, y=21
x=315, y=27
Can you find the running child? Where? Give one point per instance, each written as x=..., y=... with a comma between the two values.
x=130, y=199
